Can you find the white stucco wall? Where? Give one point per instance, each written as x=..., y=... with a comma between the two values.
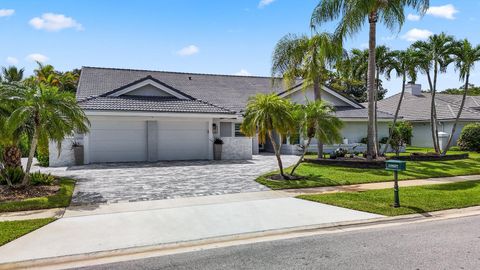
x=65, y=157
x=422, y=134
x=236, y=148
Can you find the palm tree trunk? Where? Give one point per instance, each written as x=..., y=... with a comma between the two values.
x=372, y=19
x=432, y=114
x=33, y=148
x=305, y=150
x=276, y=149
x=377, y=142
x=397, y=111
x=317, y=95
x=434, y=108
x=12, y=156
x=454, y=128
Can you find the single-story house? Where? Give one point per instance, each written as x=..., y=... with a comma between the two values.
x=143, y=115
x=415, y=108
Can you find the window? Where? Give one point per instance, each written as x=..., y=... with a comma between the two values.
x=238, y=133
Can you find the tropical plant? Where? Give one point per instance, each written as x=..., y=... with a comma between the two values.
x=434, y=53
x=465, y=57
x=38, y=178
x=317, y=120
x=469, y=139
x=352, y=15
x=307, y=58
x=11, y=176
x=54, y=115
x=267, y=114
x=401, y=134
x=12, y=74
x=405, y=65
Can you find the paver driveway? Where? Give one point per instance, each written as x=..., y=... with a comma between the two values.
x=120, y=182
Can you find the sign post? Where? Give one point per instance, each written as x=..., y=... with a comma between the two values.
x=396, y=166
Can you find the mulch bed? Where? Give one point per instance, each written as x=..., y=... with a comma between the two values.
x=278, y=177
x=355, y=162
x=431, y=157
x=10, y=194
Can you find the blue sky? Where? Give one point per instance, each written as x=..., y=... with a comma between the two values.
x=214, y=36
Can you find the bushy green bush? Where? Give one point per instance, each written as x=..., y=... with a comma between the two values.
x=401, y=135
x=470, y=138
x=38, y=178
x=11, y=175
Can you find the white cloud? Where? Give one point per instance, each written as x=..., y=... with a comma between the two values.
x=264, y=3
x=446, y=11
x=364, y=45
x=189, y=50
x=37, y=57
x=413, y=17
x=11, y=60
x=54, y=22
x=416, y=34
x=243, y=72
x=6, y=12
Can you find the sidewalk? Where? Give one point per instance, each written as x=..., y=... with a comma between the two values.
x=132, y=225
x=381, y=185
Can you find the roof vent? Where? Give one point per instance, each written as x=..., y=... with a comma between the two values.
x=414, y=89
x=189, y=78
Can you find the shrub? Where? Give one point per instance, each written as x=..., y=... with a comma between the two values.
x=401, y=134
x=11, y=175
x=43, y=159
x=384, y=140
x=364, y=140
x=217, y=141
x=341, y=152
x=38, y=178
x=470, y=138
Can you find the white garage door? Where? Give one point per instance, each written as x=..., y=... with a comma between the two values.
x=118, y=141
x=182, y=140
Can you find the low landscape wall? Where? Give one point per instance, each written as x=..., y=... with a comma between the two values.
x=236, y=148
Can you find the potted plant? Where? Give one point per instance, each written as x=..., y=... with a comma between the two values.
x=217, y=149
x=77, y=152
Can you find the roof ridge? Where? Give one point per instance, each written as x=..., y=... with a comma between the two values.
x=181, y=72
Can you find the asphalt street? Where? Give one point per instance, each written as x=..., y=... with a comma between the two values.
x=447, y=244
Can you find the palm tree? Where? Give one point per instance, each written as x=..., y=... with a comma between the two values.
x=306, y=58
x=12, y=74
x=465, y=57
x=54, y=115
x=435, y=53
x=352, y=15
x=317, y=119
x=266, y=114
x=404, y=64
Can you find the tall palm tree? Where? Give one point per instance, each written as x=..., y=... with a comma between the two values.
x=435, y=54
x=12, y=74
x=404, y=64
x=465, y=57
x=54, y=115
x=317, y=119
x=308, y=59
x=47, y=75
x=352, y=15
x=266, y=114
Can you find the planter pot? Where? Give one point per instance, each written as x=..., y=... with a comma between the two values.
x=217, y=151
x=78, y=155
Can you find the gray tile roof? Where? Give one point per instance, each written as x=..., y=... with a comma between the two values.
x=417, y=108
x=220, y=93
x=150, y=104
x=359, y=113
x=227, y=91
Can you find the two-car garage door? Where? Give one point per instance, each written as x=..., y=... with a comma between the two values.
x=127, y=140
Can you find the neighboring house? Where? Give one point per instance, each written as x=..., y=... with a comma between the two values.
x=142, y=115
x=416, y=106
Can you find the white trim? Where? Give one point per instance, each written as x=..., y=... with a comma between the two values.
x=145, y=83
x=326, y=89
x=365, y=119
x=157, y=114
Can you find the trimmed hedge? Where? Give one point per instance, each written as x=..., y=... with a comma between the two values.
x=470, y=138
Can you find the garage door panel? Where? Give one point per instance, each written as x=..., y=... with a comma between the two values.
x=183, y=140
x=117, y=141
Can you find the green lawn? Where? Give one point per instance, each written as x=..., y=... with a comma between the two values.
x=412, y=199
x=61, y=199
x=11, y=230
x=322, y=175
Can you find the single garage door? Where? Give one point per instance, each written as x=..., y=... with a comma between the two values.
x=182, y=140
x=118, y=141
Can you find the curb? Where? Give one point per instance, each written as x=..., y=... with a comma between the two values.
x=109, y=256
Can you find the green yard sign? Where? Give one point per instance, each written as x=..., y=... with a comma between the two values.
x=396, y=166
